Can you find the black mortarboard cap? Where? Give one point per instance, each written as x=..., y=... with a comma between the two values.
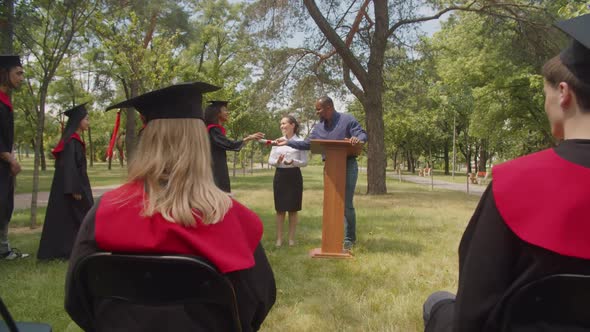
x=9, y=61
x=218, y=102
x=180, y=101
x=577, y=56
x=75, y=115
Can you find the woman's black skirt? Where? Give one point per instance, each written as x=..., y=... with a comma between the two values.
x=288, y=189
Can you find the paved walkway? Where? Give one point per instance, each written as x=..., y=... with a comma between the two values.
x=474, y=189
x=23, y=201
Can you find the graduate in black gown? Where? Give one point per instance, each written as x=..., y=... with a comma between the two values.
x=71, y=196
x=11, y=77
x=533, y=220
x=216, y=114
x=171, y=205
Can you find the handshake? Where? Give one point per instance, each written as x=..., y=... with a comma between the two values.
x=279, y=141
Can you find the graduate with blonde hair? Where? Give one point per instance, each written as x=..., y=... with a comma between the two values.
x=171, y=205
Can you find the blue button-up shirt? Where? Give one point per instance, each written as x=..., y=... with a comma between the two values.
x=343, y=126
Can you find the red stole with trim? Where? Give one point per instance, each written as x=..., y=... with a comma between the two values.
x=545, y=200
x=228, y=244
x=5, y=99
x=60, y=146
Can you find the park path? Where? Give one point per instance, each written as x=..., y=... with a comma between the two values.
x=474, y=189
x=23, y=201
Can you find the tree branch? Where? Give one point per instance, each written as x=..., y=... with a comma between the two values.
x=345, y=53
x=356, y=91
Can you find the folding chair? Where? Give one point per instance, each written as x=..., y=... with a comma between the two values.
x=554, y=303
x=9, y=325
x=155, y=280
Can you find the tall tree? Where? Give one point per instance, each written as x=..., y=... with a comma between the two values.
x=46, y=30
x=363, y=71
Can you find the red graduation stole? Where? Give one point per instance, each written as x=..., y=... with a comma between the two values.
x=228, y=244
x=5, y=99
x=60, y=146
x=545, y=200
x=218, y=126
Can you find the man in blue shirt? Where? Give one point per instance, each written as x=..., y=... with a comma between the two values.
x=337, y=126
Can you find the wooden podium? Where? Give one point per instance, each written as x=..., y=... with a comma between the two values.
x=336, y=152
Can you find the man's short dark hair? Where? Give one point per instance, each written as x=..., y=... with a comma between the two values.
x=326, y=101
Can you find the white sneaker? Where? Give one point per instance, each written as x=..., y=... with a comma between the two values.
x=14, y=254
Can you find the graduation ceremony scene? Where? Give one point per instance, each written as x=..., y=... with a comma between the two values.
x=302, y=165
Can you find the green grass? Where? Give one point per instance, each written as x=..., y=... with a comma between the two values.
x=407, y=245
x=99, y=176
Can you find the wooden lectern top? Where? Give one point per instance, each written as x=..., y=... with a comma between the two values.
x=320, y=146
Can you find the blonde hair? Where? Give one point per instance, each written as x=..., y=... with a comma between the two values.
x=173, y=160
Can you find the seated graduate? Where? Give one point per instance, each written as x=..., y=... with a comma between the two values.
x=71, y=196
x=171, y=205
x=533, y=219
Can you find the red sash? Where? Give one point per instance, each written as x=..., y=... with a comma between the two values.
x=60, y=146
x=228, y=244
x=545, y=200
x=5, y=99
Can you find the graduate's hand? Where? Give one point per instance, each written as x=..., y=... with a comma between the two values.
x=280, y=159
x=14, y=167
x=255, y=136
x=77, y=196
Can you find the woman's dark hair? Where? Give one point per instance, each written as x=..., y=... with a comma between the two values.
x=212, y=114
x=556, y=72
x=293, y=121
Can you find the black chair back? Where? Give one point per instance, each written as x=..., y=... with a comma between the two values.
x=556, y=302
x=154, y=280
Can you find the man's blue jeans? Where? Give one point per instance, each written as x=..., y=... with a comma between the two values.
x=352, y=172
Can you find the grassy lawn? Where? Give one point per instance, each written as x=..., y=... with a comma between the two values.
x=99, y=176
x=407, y=245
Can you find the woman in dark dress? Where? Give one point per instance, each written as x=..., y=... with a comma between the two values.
x=216, y=114
x=71, y=196
x=533, y=219
x=288, y=182
x=171, y=205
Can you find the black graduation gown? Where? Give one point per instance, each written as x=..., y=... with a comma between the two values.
x=65, y=214
x=6, y=179
x=494, y=261
x=255, y=292
x=219, y=144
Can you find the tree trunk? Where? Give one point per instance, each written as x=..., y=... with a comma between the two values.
x=38, y=153
x=90, y=146
x=235, y=163
x=376, y=159
x=43, y=162
x=7, y=27
x=475, y=155
x=483, y=156
x=130, y=125
x=446, y=157
x=252, y=161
